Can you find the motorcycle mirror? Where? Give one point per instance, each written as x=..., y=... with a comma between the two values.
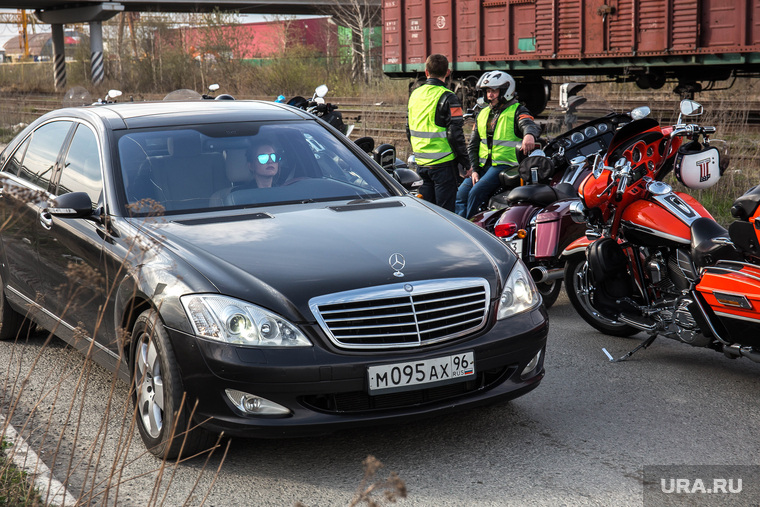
x=691, y=108
x=481, y=102
x=321, y=91
x=640, y=112
x=112, y=94
x=213, y=87
x=319, y=100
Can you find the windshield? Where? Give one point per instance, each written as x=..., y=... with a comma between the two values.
x=239, y=165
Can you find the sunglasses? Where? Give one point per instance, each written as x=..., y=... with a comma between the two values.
x=265, y=157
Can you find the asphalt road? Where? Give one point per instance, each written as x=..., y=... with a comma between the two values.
x=581, y=438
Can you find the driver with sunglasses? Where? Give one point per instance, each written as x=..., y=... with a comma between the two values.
x=264, y=165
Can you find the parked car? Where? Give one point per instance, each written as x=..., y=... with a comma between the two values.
x=332, y=299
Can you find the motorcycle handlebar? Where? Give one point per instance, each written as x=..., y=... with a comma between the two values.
x=680, y=130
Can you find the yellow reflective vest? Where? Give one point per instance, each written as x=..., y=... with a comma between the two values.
x=503, y=149
x=429, y=142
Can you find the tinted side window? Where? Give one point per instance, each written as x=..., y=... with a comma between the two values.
x=14, y=163
x=81, y=168
x=40, y=158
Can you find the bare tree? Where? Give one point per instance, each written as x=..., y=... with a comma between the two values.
x=357, y=16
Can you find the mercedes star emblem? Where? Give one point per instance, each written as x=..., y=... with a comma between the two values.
x=397, y=263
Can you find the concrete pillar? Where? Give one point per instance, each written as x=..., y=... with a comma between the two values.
x=96, y=52
x=59, y=58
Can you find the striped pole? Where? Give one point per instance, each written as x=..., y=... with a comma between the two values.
x=96, y=48
x=59, y=58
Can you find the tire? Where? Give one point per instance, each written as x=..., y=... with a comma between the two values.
x=158, y=394
x=549, y=292
x=576, y=287
x=12, y=324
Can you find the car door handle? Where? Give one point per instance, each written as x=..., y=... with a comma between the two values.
x=46, y=219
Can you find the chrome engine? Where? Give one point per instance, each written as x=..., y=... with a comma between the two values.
x=672, y=280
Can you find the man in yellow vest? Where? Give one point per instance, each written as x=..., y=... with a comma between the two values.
x=435, y=130
x=502, y=127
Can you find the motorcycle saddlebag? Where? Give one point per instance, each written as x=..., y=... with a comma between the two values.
x=609, y=268
x=732, y=290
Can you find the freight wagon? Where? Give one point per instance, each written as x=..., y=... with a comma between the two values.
x=687, y=42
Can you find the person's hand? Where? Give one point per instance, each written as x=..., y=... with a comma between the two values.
x=468, y=173
x=528, y=143
x=475, y=177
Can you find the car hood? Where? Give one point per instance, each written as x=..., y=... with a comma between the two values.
x=282, y=256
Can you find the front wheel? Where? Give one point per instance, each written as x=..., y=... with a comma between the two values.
x=162, y=418
x=579, y=287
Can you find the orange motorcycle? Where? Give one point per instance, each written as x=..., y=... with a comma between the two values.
x=653, y=255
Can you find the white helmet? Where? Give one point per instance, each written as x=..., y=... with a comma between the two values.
x=697, y=167
x=498, y=79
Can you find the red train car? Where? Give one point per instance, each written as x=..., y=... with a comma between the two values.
x=646, y=41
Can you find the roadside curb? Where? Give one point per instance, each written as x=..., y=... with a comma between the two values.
x=52, y=491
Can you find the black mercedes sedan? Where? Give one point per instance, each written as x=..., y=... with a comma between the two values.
x=250, y=270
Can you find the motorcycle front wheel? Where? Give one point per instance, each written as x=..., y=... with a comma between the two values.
x=579, y=288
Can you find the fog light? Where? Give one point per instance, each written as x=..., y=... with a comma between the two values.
x=255, y=405
x=531, y=366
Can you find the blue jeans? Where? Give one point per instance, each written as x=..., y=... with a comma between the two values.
x=471, y=197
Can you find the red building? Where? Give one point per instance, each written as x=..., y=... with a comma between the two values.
x=261, y=40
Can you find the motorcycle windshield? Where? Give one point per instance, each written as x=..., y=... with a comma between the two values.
x=581, y=114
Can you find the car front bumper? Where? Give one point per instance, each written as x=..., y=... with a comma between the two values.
x=326, y=389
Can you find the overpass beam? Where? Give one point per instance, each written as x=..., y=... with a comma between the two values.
x=59, y=57
x=92, y=14
x=96, y=52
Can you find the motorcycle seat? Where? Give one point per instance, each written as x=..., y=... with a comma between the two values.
x=540, y=195
x=745, y=206
x=705, y=250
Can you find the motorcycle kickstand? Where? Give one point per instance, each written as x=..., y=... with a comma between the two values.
x=646, y=343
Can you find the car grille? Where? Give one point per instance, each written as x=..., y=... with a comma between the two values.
x=360, y=401
x=403, y=315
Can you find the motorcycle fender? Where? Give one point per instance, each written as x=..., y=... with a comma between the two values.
x=732, y=290
x=487, y=219
x=577, y=246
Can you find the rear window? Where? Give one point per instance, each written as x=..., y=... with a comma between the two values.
x=198, y=168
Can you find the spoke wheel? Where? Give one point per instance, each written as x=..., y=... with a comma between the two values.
x=162, y=420
x=579, y=288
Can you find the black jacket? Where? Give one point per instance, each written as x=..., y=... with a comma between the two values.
x=524, y=125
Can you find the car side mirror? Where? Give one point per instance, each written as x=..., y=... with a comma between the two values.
x=71, y=205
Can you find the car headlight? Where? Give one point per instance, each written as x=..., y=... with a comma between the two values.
x=519, y=294
x=233, y=321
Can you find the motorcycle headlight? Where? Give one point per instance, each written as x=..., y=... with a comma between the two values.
x=237, y=322
x=519, y=294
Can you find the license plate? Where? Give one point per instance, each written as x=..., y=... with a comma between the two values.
x=407, y=376
x=516, y=245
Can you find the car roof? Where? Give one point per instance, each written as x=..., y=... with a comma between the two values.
x=170, y=113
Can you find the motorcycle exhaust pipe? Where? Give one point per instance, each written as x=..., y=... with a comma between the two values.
x=541, y=275
x=739, y=351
